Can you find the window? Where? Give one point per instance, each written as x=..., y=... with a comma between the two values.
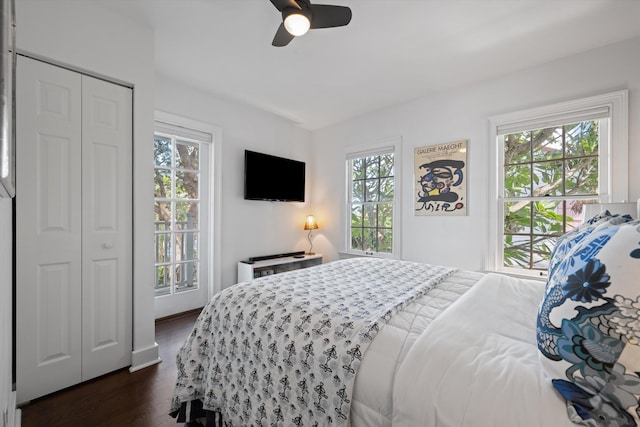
x=180, y=206
x=373, y=202
x=551, y=162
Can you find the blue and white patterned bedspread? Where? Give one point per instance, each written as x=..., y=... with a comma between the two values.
x=284, y=349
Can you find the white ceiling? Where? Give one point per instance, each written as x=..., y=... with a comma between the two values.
x=391, y=52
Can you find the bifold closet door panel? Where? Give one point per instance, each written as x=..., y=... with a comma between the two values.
x=107, y=227
x=73, y=228
x=48, y=229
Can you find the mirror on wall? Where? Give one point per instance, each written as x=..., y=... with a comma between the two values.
x=7, y=97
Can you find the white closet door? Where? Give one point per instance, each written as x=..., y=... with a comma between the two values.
x=48, y=228
x=107, y=221
x=73, y=227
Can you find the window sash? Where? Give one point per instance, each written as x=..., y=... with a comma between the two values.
x=537, y=266
x=172, y=266
x=613, y=180
x=394, y=202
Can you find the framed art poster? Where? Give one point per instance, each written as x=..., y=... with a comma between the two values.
x=441, y=179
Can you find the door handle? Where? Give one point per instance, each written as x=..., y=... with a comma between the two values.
x=107, y=245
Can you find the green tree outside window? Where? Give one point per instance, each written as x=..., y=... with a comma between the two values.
x=372, y=203
x=549, y=174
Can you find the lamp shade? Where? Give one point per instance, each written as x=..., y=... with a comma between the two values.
x=310, y=223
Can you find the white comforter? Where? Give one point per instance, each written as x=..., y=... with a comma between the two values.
x=477, y=364
x=372, y=403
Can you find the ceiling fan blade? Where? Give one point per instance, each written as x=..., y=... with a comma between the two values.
x=326, y=16
x=282, y=37
x=281, y=4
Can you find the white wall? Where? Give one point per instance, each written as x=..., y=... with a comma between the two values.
x=464, y=114
x=85, y=36
x=248, y=228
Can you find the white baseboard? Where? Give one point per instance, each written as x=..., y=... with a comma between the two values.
x=144, y=358
x=17, y=420
x=12, y=416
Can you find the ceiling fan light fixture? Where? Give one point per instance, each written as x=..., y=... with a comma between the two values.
x=297, y=23
x=299, y=16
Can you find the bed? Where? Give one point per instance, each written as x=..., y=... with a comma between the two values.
x=378, y=342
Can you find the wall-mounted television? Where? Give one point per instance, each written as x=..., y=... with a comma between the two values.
x=274, y=178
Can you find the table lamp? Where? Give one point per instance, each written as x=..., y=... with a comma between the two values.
x=310, y=224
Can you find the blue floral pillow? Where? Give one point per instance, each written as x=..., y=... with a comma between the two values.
x=565, y=242
x=588, y=326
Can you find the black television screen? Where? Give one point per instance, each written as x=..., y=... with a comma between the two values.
x=268, y=177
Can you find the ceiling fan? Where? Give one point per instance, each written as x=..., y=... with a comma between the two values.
x=298, y=16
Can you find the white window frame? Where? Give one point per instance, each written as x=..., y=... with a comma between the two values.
x=613, y=160
x=201, y=231
x=392, y=145
x=212, y=240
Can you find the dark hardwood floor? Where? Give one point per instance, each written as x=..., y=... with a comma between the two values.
x=139, y=399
